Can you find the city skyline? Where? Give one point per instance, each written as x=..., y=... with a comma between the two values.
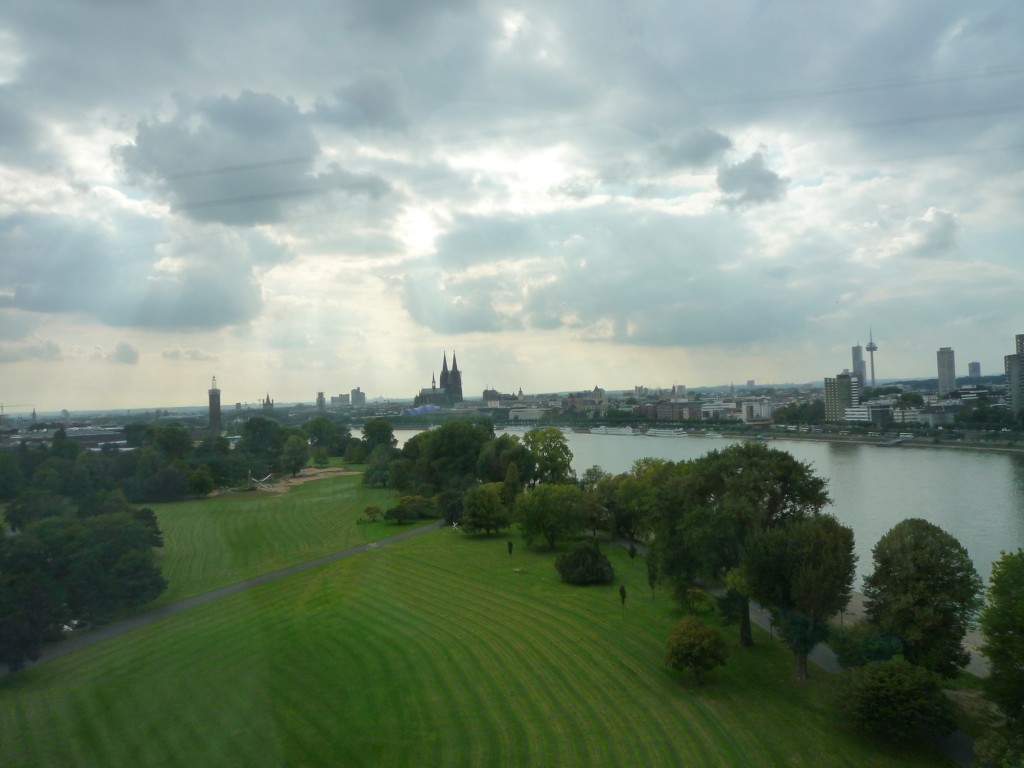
x=323, y=197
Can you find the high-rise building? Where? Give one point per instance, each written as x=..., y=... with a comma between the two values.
x=321, y=402
x=215, y=419
x=1014, y=365
x=841, y=392
x=974, y=370
x=859, y=366
x=947, y=371
x=358, y=398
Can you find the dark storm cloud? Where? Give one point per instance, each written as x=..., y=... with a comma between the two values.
x=238, y=161
x=750, y=182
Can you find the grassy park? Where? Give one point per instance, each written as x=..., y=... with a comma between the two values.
x=224, y=539
x=439, y=650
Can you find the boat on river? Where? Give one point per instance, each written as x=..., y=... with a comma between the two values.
x=665, y=433
x=613, y=431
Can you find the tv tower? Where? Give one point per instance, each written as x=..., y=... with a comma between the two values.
x=871, y=347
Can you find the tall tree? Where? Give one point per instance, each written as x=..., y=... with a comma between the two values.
x=550, y=511
x=710, y=509
x=804, y=572
x=1002, y=623
x=262, y=441
x=295, y=454
x=550, y=451
x=483, y=510
x=925, y=590
x=377, y=431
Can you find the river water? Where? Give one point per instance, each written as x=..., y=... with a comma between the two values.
x=977, y=496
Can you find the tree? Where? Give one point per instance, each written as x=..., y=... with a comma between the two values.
x=896, y=701
x=378, y=467
x=326, y=435
x=295, y=454
x=586, y=564
x=692, y=645
x=35, y=505
x=550, y=451
x=11, y=478
x=924, y=589
x=1002, y=623
x=262, y=441
x=551, y=512
x=483, y=510
x=32, y=605
x=709, y=510
x=376, y=432
x=804, y=571
x=499, y=454
x=652, y=574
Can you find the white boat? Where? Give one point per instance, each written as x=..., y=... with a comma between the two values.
x=713, y=434
x=613, y=431
x=666, y=433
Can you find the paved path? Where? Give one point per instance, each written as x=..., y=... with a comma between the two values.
x=85, y=639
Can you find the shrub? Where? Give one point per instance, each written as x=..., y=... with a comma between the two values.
x=858, y=644
x=694, y=646
x=586, y=564
x=896, y=701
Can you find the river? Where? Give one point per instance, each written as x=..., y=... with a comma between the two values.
x=977, y=496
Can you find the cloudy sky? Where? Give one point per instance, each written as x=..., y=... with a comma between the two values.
x=323, y=195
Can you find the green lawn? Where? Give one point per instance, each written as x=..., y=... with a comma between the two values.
x=222, y=540
x=433, y=651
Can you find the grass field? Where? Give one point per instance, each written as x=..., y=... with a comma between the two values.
x=433, y=651
x=222, y=540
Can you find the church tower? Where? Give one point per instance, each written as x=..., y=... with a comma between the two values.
x=455, y=382
x=215, y=421
x=444, y=373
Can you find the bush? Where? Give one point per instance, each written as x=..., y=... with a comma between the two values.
x=694, y=646
x=896, y=701
x=412, y=508
x=586, y=564
x=859, y=644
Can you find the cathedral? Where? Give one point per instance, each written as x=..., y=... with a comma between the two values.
x=444, y=393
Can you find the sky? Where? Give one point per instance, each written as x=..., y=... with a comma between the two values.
x=334, y=194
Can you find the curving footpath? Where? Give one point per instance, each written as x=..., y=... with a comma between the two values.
x=98, y=635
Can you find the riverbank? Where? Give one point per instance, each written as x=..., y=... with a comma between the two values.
x=879, y=442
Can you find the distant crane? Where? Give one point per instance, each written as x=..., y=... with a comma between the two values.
x=871, y=347
x=14, y=405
